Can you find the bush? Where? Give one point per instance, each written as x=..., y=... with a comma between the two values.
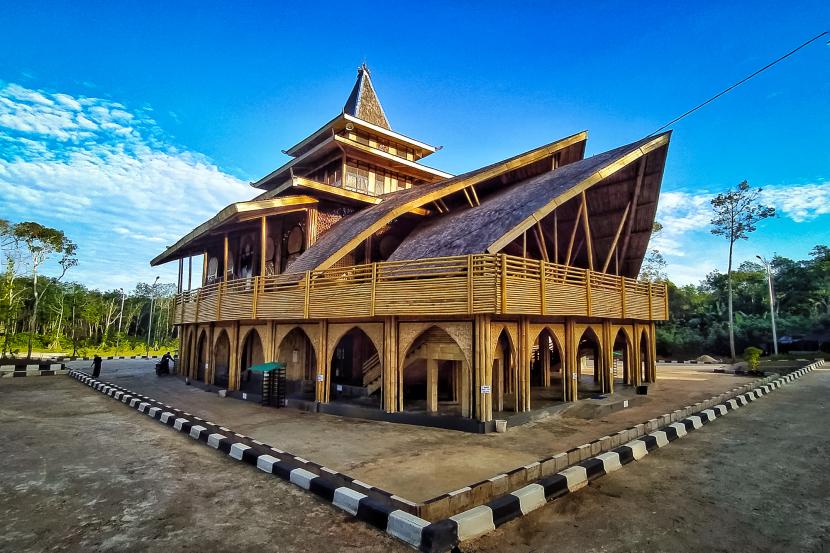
x=752, y=356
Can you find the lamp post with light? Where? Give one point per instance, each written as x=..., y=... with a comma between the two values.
x=771, y=302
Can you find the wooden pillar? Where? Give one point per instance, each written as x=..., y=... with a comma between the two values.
x=637, y=366
x=263, y=242
x=181, y=273
x=390, y=365
x=569, y=361
x=544, y=357
x=323, y=387
x=653, y=350
x=483, y=369
x=524, y=355
x=189, y=273
x=466, y=389
x=204, y=267
x=211, y=355
x=432, y=385
x=608, y=358
x=225, y=258
x=233, y=361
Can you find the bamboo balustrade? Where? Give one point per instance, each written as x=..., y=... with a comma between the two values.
x=461, y=285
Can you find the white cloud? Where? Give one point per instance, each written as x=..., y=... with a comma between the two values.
x=107, y=176
x=680, y=213
x=800, y=202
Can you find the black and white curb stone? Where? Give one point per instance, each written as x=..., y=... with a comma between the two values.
x=368, y=507
x=32, y=369
x=443, y=535
x=480, y=520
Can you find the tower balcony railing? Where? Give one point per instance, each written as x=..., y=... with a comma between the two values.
x=497, y=284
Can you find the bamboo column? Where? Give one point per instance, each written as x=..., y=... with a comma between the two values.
x=637, y=356
x=544, y=357
x=390, y=364
x=608, y=358
x=234, y=361
x=432, y=385
x=322, y=389
x=524, y=355
x=653, y=347
x=569, y=364
x=483, y=369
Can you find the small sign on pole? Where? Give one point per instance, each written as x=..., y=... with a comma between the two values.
x=485, y=389
x=320, y=378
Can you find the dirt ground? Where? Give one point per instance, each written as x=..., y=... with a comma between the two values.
x=84, y=473
x=427, y=461
x=757, y=480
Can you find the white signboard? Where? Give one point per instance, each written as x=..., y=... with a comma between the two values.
x=320, y=378
x=339, y=388
x=485, y=389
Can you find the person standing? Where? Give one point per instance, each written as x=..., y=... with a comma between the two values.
x=96, y=366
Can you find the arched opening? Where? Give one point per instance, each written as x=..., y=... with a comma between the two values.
x=251, y=354
x=221, y=360
x=356, y=371
x=201, y=357
x=545, y=371
x=589, y=365
x=622, y=355
x=436, y=375
x=297, y=353
x=504, y=375
x=645, y=358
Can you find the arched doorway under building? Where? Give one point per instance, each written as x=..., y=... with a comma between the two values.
x=545, y=371
x=504, y=375
x=201, y=355
x=221, y=359
x=589, y=365
x=622, y=359
x=251, y=353
x=297, y=353
x=356, y=371
x=436, y=376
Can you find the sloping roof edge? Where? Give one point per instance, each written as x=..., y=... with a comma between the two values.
x=225, y=215
x=538, y=215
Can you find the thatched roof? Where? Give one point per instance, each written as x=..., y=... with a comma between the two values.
x=351, y=231
x=363, y=102
x=518, y=207
x=515, y=209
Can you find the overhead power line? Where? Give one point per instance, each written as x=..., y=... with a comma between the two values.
x=742, y=81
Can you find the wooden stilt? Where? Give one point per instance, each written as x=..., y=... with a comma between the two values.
x=432, y=385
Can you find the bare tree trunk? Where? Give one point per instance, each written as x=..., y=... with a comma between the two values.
x=731, y=316
x=33, y=319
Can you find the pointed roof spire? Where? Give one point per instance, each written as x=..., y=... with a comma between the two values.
x=363, y=102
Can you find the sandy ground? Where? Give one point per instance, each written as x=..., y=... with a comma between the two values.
x=82, y=472
x=757, y=480
x=427, y=461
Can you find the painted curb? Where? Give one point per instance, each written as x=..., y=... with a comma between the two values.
x=446, y=534
x=32, y=369
x=381, y=514
x=480, y=520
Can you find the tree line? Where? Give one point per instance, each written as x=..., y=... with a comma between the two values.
x=50, y=313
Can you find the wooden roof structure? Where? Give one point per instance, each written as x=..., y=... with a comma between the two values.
x=612, y=193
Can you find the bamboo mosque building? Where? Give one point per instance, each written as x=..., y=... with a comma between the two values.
x=393, y=290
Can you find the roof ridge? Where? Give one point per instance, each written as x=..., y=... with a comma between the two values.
x=363, y=102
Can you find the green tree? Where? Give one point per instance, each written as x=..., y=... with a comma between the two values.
x=41, y=244
x=736, y=215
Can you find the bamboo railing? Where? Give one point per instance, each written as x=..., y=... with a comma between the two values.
x=461, y=285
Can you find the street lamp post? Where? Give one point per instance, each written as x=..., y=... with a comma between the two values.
x=120, y=319
x=771, y=303
x=150, y=324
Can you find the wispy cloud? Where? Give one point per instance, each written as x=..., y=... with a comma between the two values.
x=107, y=175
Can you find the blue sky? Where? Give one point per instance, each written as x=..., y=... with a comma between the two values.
x=127, y=124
